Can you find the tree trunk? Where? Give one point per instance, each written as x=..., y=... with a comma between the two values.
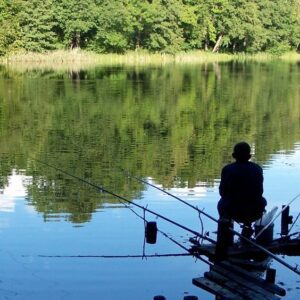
x=138, y=40
x=75, y=43
x=218, y=44
x=206, y=46
x=138, y=37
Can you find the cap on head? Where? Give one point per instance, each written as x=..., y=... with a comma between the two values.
x=241, y=151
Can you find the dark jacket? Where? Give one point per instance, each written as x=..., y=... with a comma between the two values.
x=241, y=189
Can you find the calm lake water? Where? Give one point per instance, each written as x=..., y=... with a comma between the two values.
x=171, y=125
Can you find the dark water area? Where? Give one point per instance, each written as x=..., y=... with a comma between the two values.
x=172, y=125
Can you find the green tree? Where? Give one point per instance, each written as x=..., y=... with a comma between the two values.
x=37, y=25
x=115, y=27
x=165, y=31
x=243, y=27
x=281, y=25
x=128, y=25
x=10, y=30
x=155, y=25
x=198, y=25
x=75, y=22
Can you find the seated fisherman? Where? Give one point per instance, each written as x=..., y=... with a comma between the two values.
x=241, y=188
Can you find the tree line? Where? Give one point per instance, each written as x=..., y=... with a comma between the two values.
x=166, y=26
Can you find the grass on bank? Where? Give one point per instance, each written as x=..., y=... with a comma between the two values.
x=82, y=59
x=132, y=57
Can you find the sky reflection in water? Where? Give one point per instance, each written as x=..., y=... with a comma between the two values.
x=116, y=231
x=176, y=124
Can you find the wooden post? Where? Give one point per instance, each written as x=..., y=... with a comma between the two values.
x=286, y=220
x=270, y=275
x=224, y=239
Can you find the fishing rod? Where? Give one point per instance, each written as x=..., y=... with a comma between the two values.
x=102, y=189
x=294, y=269
x=296, y=219
x=278, y=214
x=169, y=194
x=118, y=256
x=266, y=251
x=130, y=256
x=175, y=197
x=189, y=253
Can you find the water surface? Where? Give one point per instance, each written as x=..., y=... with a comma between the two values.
x=174, y=125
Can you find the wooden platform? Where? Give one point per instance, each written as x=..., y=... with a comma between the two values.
x=290, y=247
x=228, y=281
x=239, y=267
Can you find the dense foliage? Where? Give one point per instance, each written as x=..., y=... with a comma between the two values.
x=155, y=25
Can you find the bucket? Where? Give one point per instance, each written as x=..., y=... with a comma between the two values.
x=266, y=237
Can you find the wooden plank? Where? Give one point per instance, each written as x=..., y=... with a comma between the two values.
x=271, y=287
x=215, y=289
x=247, y=290
x=280, y=246
x=250, y=265
x=287, y=247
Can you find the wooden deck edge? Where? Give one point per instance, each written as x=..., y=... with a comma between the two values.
x=248, y=276
x=215, y=289
x=245, y=288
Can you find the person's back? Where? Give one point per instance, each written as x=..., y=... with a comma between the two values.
x=241, y=188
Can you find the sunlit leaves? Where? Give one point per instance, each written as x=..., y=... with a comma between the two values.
x=156, y=25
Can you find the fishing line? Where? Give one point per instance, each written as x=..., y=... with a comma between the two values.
x=266, y=251
x=292, y=234
x=293, y=223
x=188, y=204
x=186, y=249
x=102, y=189
x=117, y=256
x=278, y=214
x=143, y=218
x=294, y=269
x=171, y=195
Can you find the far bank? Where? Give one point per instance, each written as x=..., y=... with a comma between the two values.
x=85, y=58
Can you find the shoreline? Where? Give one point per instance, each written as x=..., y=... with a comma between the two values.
x=84, y=59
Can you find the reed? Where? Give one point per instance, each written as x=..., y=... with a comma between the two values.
x=291, y=56
x=52, y=56
x=132, y=57
x=80, y=59
x=263, y=56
